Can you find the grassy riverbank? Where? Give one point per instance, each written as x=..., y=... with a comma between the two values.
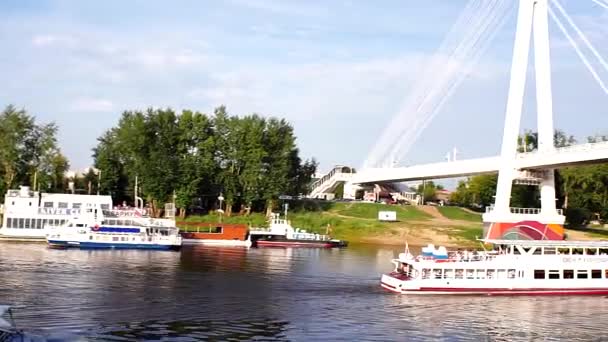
x=357, y=222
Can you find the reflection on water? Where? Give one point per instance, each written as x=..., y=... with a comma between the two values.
x=205, y=293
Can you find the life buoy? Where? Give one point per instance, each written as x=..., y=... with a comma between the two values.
x=96, y=227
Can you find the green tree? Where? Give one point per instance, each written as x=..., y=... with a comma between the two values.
x=29, y=153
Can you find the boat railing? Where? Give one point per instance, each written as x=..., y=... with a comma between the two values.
x=462, y=257
x=525, y=211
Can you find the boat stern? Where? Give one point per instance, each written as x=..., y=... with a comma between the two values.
x=397, y=282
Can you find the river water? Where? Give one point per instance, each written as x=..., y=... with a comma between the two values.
x=219, y=294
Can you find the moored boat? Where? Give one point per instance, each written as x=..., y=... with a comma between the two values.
x=31, y=215
x=123, y=229
x=282, y=234
x=215, y=234
x=514, y=267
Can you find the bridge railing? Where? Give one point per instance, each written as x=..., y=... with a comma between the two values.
x=329, y=176
x=525, y=211
x=573, y=148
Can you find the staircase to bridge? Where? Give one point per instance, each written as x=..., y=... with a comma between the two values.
x=324, y=187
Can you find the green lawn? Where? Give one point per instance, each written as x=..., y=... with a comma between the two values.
x=370, y=211
x=469, y=233
x=455, y=213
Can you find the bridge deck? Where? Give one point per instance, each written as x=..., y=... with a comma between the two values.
x=592, y=153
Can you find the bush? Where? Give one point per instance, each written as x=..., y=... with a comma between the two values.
x=577, y=217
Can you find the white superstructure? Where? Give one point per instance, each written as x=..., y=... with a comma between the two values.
x=30, y=214
x=523, y=267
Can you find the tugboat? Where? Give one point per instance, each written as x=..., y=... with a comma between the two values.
x=282, y=234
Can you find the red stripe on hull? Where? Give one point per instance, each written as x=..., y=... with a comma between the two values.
x=263, y=243
x=511, y=292
x=502, y=292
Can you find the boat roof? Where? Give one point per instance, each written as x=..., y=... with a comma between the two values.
x=550, y=243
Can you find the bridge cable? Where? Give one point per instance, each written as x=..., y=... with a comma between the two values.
x=600, y=3
x=490, y=17
x=433, y=70
x=580, y=54
x=581, y=35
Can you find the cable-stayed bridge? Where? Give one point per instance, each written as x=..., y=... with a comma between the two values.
x=478, y=23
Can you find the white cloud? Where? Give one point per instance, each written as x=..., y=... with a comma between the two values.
x=43, y=40
x=92, y=105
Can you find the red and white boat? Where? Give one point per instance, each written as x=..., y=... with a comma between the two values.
x=516, y=267
x=282, y=234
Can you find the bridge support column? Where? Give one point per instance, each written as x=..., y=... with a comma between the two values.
x=501, y=221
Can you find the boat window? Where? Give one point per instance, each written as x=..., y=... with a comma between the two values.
x=563, y=250
x=554, y=274
x=76, y=205
x=549, y=250
x=79, y=225
x=48, y=204
x=448, y=274
x=9, y=222
x=490, y=274
x=582, y=274
x=577, y=251
x=27, y=223
x=114, y=238
x=603, y=251
x=216, y=230
x=62, y=205
x=596, y=274
x=568, y=274
x=21, y=223
x=105, y=206
x=590, y=251
x=501, y=274
x=90, y=237
x=481, y=274
x=470, y=274
x=437, y=273
x=537, y=251
x=460, y=273
x=426, y=273
x=539, y=274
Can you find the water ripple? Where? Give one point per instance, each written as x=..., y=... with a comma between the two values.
x=236, y=294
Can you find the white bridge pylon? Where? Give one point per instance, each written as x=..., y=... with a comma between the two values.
x=532, y=24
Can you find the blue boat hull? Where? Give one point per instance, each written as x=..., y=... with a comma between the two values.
x=101, y=245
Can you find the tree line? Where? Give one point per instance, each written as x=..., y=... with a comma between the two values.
x=192, y=158
x=582, y=191
x=188, y=158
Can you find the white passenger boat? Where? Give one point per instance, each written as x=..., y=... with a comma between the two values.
x=30, y=215
x=514, y=267
x=116, y=229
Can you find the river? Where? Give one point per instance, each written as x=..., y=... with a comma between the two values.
x=219, y=294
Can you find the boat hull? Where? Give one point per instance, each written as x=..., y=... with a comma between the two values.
x=299, y=243
x=399, y=286
x=219, y=243
x=100, y=245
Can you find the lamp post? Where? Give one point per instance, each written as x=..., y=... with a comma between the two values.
x=220, y=211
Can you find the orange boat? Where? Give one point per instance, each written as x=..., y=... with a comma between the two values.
x=215, y=234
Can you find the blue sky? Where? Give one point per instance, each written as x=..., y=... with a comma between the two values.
x=338, y=70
